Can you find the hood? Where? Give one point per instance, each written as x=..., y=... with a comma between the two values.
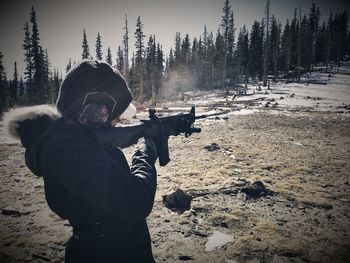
x=28, y=124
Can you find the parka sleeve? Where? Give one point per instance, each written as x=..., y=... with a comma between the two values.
x=92, y=175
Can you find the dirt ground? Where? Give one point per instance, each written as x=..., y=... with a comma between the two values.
x=301, y=158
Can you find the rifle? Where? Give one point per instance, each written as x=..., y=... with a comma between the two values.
x=157, y=128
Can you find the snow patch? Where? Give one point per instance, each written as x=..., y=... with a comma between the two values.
x=217, y=241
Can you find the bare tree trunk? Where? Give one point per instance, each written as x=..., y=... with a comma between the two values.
x=154, y=95
x=266, y=53
x=126, y=49
x=140, y=97
x=299, y=47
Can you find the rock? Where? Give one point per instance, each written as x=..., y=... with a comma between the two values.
x=37, y=256
x=212, y=147
x=178, y=201
x=267, y=167
x=256, y=190
x=200, y=233
x=223, y=224
x=185, y=258
x=10, y=211
x=282, y=259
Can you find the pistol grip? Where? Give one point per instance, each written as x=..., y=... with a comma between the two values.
x=163, y=147
x=163, y=151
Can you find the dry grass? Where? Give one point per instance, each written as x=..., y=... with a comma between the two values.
x=303, y=159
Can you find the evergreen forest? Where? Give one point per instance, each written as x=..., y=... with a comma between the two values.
x=227, y=59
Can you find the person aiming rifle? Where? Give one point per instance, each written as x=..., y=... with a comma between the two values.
x=105, y=200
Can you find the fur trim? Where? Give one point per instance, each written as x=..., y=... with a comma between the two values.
x=15, y=116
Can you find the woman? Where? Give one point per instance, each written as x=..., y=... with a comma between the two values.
x=105, y=201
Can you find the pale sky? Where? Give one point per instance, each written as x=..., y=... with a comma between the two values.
x=61, y=22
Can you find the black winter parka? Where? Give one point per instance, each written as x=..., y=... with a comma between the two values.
x=105, y=201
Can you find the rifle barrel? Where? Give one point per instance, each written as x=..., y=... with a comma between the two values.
x=211, y=115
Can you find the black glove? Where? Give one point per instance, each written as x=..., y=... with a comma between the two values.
x=148, y=146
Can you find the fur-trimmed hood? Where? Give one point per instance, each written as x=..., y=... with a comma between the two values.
x=29, y=123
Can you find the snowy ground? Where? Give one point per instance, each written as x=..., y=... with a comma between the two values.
x=294, y=138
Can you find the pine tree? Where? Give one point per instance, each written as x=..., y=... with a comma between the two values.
x=13, y=88
x=69, y=65
x=126, y=50
x=329, y=42
x=321, y=42
x=275, y=36
x=299, y=46
x=47, y=71
x=347, y=53
x=27, y=46
x=159, y=69
x=205, y=39
x=242, y=52
x=185, y=51
x=109, y=56
x=98, y=47
x=55, y=83
x=85, y=46
x=150, y=73
x=294, y=31
x=194, y=53
x=177, y=51
x=255, y=57
x=305, y=51
x=231, y=66
x=165, y=83
x=204, y=63
x=209, y=62
x=120, y=60
x=183, y=68
x=171, y=61
x=313, y=24
x=266, y=44
x=200, y=55
x=51, y=97
x=195, y=64
x=219, y=60
x=21, y=92
x=57, y=80
x=341, y=29
x=139, y=58
x=4, y=96
x=286, y=44
x=227, y=33
x=38, y=93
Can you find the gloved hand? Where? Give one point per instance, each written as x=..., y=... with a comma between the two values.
x=148, y=146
